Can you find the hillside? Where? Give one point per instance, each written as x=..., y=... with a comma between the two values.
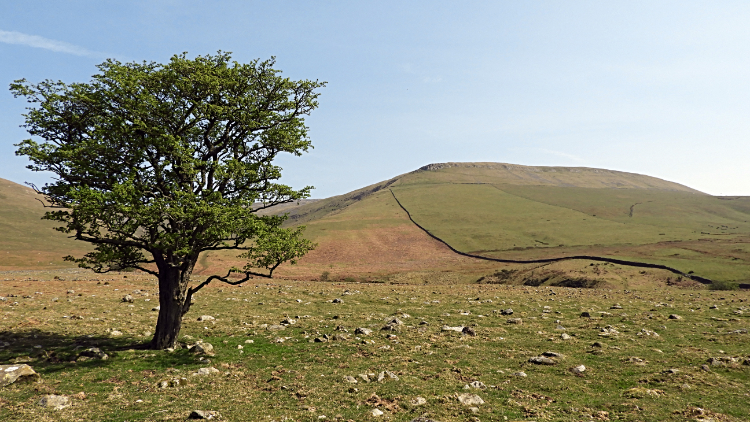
x=521, y=212
x=26, y=241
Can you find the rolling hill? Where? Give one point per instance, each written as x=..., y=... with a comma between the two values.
x=26, y=241
x=525, y=213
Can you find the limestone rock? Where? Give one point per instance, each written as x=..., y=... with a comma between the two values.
x=20, y=373
x=204, y=414
x=515, y=321
x=203, y=349
x=457, y=329
x=55, y=402
x=507, y=311
x=469, y=399
x=363, y=331
x=541, y=360
x=675, y=316
x=127, y=299
x=206, y=318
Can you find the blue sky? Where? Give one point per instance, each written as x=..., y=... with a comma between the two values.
x=658, y=88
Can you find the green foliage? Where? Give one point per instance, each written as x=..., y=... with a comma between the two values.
x=723, y=285
x=155, y=163
x=272, y=249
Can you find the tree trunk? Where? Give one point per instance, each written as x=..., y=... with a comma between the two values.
x=173, y=286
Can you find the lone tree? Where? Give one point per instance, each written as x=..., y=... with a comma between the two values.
x=156, y=163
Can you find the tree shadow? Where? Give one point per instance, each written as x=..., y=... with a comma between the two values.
x=49, y=352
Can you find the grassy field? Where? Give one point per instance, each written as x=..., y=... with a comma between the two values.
x=696, y=368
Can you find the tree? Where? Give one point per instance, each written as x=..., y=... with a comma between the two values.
x=156, y=163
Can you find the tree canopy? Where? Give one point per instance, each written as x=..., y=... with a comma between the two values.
x=156, y=163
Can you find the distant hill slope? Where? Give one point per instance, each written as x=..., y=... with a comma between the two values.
x=522, y=212
x=26, y=241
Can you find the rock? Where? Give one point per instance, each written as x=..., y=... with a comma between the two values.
x=553, y=355
x=337, y=300
x=156, y=308
x=418, y=401
x=477, y=384
x=17, y=373
x=55, y=402
x=376, y=412
x=127, y=299
x=276, y=327
x=648, y=333
x=469, y=399
x=675, y=316
x=559, y=328
x=507, y=311
x=520, y=374
x=578, y=370
x=469, y=331
x=423, y=419
x=320, y=340
x=364, y=377
x=457, y=329
x=585, y=314
x=115, y=333
x=363, y=331
x=289, y=321
x=206, y=371
x=515, y=321
x=350, y=379
x=206, y=318
x=204, y=414
x=203, y=349
x=541, y=360
x=565, y=336
x=390, y=327
x=615, y=306
x=94, y=352
x=395, y=321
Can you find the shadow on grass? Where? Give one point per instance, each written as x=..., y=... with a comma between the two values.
x=51, y=352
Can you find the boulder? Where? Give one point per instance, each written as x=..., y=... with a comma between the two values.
x=17, y=373
x=204, y=414
x=203, y=349
x=541, y=360
x=127, y=299
x=363, y=331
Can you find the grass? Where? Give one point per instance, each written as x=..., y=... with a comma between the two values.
x=629, y=376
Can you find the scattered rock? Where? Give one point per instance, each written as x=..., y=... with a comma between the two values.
x=127, y=299
x=469, y=331
x=55, y=402
x=206, y=371
x=541, y=360
x=115, y=333
x=376, y=412
x=206, y=318
x=616, y=306
x=423, y=419
x=394, y=321
x=457, y=329
x=507, y=311
x=276, y=327
x=520, y=374
x=675, y=316
x=204, y=414
x=418, y=401
x=203, y=349
x=363, y=331
x=94, y=352
x=156, y=308
x=578, y=370
x=289, y=321
x=17, y=373
x=641, y=392
x=477, y=384
x=337, y=300
x=585, y=314
x=515, y=321
x=565, y=336
x=553, y=355
x=469, y=399
x=648, y=333
x=350, y=379
x=390, y=327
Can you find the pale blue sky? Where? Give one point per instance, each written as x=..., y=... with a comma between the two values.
x=659, y=88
